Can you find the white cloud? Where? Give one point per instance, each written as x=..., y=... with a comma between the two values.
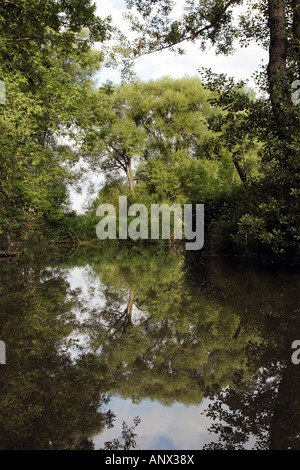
x=177, y=427
x=241, y=65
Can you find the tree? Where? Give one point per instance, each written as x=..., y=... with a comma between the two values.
x=28, y=24
x=272, y=23
x=158, y=133
x=270, y=221
x=115, y=146
x=46, y=65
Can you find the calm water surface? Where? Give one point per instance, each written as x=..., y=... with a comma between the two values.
x=199, y=349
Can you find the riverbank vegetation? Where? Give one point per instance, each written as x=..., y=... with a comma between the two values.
x=197, y=140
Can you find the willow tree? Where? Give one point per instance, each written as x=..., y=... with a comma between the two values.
x=158, y=131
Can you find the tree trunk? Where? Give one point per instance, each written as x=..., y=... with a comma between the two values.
x=239, y=169
x=277, y=67
x=129, y=310
x=296, y=32
x=130, y=176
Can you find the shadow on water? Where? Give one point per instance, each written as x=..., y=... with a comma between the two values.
x=146, y=323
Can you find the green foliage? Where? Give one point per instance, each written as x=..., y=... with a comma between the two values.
x=165, y=326
x=263, y=215
x=158, y=27
x=48, y=400
x=109, y=194
x=71, y=227
x=174, y=141
x=157, y=131
x=127, y=439
x=46, y=65
x=178, y=156
x=160, y=327
x=259, y=136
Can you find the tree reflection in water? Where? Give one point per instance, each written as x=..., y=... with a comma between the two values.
x=169, y=327
x=47, y=401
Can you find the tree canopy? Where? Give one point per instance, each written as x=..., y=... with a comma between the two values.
x=205, y=139
x=46, y=66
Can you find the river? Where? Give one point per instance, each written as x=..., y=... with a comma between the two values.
x=189, y=352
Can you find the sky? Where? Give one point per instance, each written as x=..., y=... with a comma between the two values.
x=177, y=427
x=241, y=65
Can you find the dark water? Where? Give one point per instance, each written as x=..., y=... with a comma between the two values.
x=199, y=349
